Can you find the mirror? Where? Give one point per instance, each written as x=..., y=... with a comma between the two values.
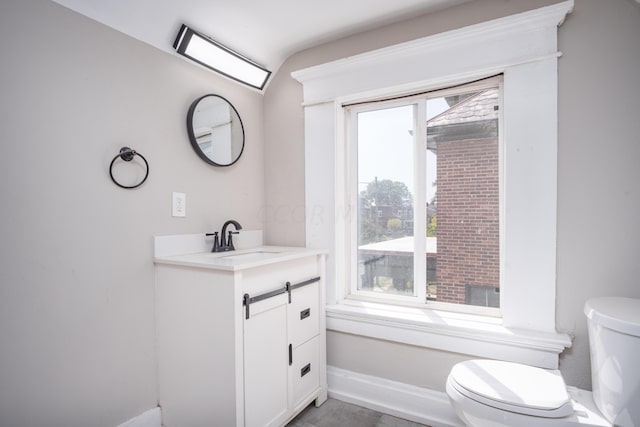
x=215, y=130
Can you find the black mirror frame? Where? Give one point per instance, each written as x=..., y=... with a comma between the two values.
x=192, y=138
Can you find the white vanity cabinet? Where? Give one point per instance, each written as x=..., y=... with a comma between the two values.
x=240, y=343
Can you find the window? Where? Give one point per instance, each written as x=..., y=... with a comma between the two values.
x=523, y=48
x=429, y=167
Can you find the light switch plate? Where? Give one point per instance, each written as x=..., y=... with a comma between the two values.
x=179, y=204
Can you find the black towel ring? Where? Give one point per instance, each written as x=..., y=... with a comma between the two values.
x=127, y=154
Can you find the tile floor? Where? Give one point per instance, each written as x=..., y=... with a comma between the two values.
x=335, y=413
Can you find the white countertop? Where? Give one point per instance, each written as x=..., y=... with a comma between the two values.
x=238, y=259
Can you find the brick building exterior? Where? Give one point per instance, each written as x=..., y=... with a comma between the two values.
x=465, y=138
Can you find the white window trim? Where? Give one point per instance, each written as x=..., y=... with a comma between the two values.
x=524, y=48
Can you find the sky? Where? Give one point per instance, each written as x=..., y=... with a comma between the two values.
x=385, y=145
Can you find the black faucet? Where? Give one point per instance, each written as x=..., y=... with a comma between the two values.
x=225, y=245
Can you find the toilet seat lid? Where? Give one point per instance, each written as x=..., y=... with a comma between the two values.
x=513, y=387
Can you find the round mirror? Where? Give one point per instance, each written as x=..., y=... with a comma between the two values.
x=215, y=130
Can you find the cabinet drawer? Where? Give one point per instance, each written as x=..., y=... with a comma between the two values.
x=303, y=314
x=269, y=277
x=305, y=370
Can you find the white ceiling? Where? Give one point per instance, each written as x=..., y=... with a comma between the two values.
x=267, y=32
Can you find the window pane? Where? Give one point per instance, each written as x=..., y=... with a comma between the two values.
x=385, y=200
x=463, y=244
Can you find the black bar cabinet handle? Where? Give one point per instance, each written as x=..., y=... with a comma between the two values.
x=305, y=370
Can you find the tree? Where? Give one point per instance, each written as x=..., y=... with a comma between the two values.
x=380, y=202
x=432, y=226
x=394, y=225
x=432, y=222
x=387, y=193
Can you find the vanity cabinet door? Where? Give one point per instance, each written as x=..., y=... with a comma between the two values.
x=266, y=355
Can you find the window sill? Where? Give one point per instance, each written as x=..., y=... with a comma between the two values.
x=477, y=336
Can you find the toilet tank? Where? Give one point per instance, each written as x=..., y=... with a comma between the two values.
x=614, y=341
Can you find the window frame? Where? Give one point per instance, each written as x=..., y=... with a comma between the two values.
x=419, y=103
x=523, y=47
x=352, y=193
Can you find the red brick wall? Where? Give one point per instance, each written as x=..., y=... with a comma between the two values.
x=468, y=217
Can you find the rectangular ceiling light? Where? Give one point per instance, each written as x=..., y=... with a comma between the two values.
x=221, y=59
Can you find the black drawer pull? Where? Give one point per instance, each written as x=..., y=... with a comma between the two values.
x=305, y=370
x=290, y=354
x=305, y=313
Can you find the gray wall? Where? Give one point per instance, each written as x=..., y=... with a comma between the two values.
x=76, y=271
x=598, y=173
x=599, y=166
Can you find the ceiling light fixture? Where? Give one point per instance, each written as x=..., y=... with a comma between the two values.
x=221, y=59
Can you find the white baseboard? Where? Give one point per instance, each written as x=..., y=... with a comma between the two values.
x=401, y=400
x=150, y=418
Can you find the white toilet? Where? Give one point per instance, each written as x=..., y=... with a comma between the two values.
x=490, y=393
